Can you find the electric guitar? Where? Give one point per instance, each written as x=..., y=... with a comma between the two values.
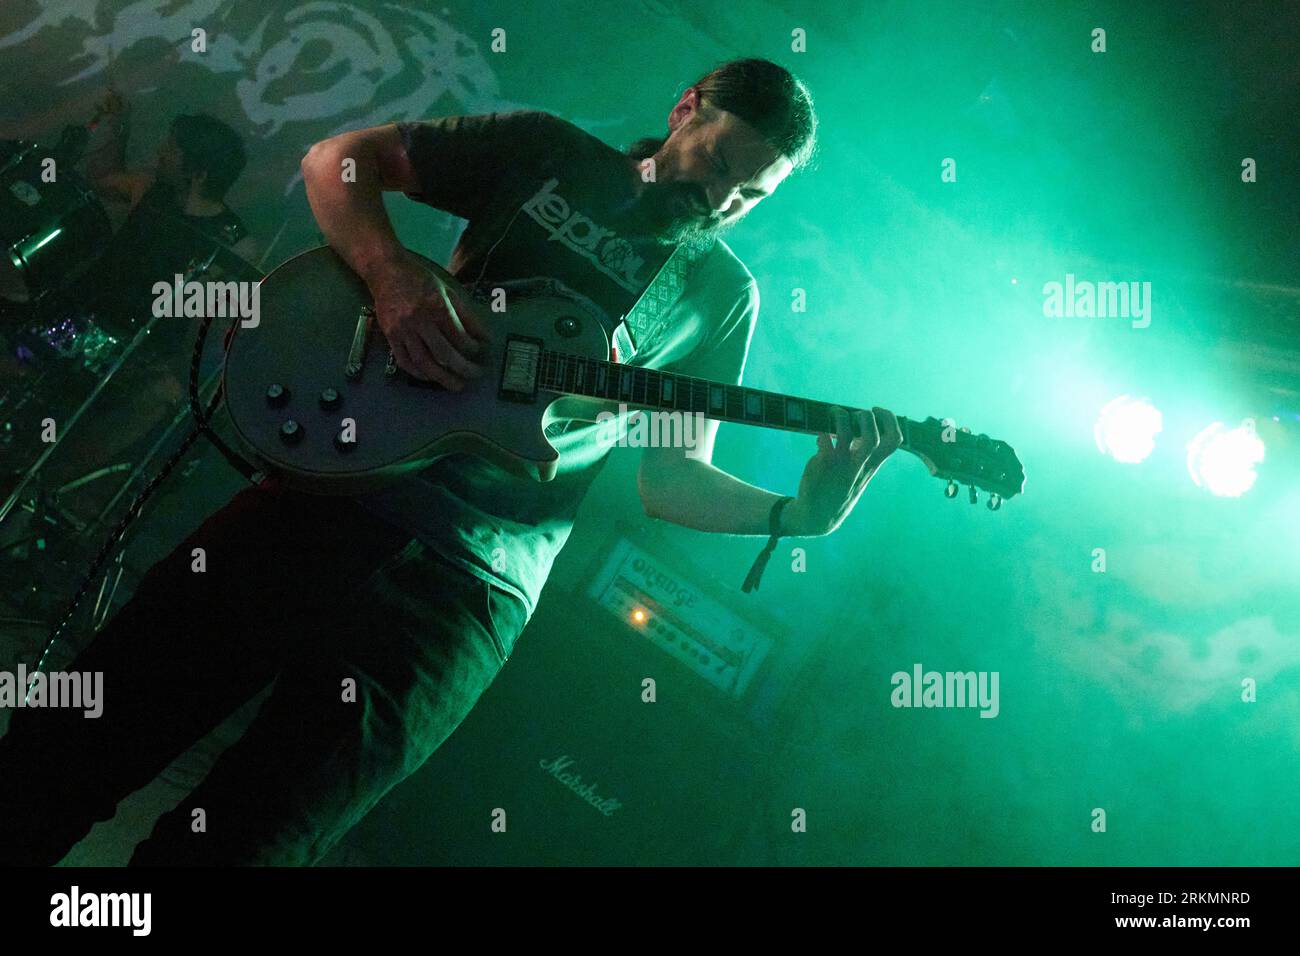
x=317, y=400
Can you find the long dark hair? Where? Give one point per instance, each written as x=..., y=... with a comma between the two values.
x=766, y=96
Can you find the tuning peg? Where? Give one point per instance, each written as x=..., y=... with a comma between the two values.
x=974, y=495
x=994, y=502
x=951, y=490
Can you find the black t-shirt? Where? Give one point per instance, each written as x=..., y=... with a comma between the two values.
x=539, y=196
x=157, y=241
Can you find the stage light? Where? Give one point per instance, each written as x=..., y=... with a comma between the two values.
x=1126, y=429
x=48, y=239
x=1223, y=460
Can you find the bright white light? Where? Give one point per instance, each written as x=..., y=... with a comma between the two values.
x=1223, y=460
x=1126, y=429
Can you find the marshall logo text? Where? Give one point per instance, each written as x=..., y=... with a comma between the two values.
x=606, y=805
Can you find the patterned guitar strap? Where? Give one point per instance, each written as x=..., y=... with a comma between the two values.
x=644, y=322
x=648, y=317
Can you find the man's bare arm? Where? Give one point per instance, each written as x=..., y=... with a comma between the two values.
x=123, y=187
x=106, y=149
x=432, y=337
x=692, y=492
x=352, y=214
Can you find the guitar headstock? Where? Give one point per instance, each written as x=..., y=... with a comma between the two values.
x=963, y=458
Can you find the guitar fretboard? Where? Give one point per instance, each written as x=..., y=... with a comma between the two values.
x=669, y=391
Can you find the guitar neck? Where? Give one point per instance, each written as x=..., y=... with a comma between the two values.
x=661, y=390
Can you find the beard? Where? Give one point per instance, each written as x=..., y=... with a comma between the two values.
x=674, y=213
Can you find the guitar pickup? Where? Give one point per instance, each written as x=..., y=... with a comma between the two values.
x=519, y=369
x=357, y=353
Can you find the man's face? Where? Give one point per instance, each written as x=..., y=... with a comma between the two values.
x=711, y=171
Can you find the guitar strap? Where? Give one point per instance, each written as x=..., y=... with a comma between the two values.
x=648, y=317
x=643, y=322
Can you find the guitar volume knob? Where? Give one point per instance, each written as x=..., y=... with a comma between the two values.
x=291, y=432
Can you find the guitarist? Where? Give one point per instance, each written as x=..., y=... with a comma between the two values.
x=382, y=619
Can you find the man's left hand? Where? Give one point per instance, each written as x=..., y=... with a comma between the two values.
x=836, y=476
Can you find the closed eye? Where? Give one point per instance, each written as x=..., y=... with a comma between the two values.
x=723, y=169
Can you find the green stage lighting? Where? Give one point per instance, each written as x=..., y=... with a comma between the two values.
x=1223, y=460
x=1126, y=429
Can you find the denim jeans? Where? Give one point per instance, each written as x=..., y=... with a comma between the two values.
x=378, y=649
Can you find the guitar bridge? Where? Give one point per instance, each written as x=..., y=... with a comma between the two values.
x=519, y=369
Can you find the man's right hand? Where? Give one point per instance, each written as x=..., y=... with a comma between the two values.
x=434, y=330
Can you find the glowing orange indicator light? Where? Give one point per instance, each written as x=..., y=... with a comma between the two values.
x=638, y=616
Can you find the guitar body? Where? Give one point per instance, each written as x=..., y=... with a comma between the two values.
x=314, y=336
x=317, y=402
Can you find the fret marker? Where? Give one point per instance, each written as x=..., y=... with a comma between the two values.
x=753, y=405
x=794, y=411
x=715, y=397
x=666, y=390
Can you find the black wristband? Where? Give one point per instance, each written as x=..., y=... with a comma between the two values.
x=774, y=530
